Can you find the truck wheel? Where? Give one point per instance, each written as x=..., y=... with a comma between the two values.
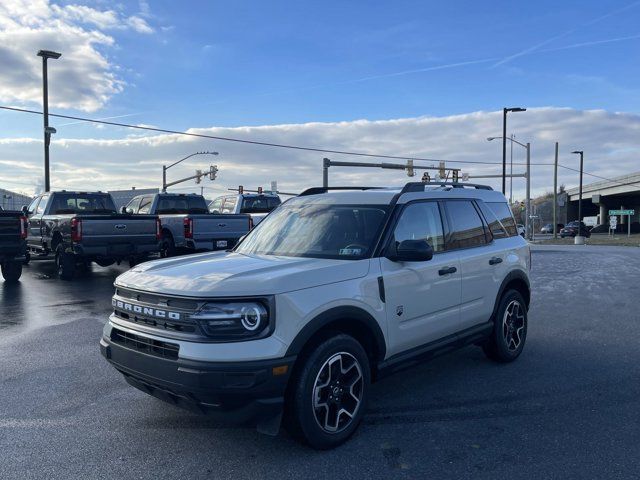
x=328, y=394
x=11, y=271
x=168, y=248
x=65, y=263
x=509, y=329
x=105, y=262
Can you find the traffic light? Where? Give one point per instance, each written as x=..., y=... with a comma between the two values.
x=426, y=178
x=199, y=176
x=443, y=173
x=213, y=172
x=259, y=190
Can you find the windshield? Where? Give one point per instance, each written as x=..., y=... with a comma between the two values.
x=71, y=203
x=182, y=204
x=346, y=232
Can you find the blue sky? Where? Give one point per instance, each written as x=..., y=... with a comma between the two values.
x=207, y=64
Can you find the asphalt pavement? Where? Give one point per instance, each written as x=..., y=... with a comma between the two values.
x=568, y=408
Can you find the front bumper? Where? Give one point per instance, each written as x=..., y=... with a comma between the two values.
x=235, y=392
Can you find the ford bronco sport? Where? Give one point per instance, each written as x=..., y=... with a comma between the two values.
x=334, y=289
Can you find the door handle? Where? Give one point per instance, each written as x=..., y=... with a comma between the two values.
x=447, y=270
x=495, y=261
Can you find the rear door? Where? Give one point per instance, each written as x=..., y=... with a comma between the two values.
x=422, y=298
x=480, y=260
x=37, y=228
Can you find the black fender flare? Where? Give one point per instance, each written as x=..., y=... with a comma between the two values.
x=352, y=316
x=519, y=276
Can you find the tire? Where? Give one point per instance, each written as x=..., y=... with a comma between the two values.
x=27, y=258
x=168, y=248
x=11, y=271
x=65, y=263
x=104, y=262
x=318, y=394
x=509, y=330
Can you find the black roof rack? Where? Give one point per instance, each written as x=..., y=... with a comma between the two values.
x=419, y=186
x=318, y=190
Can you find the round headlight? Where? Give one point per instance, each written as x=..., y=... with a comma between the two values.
x=251, y=317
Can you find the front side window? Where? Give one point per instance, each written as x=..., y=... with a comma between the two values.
x=32, y=206
x=42, y=205
x=467, y=229
x=421, y=221
x=345, y=232
x=215, y=205
x=133, y=205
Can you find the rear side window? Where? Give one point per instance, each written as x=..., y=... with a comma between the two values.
x=495, y=226
x=229, y=205
x=168, y=204
x=259, y=204
x=421, y=221
x=145, y=205
x=467, y=229
x=503, y=213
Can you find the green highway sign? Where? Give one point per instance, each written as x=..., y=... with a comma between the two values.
x=622, y=212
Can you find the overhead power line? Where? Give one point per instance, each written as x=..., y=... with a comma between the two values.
x=294, y=147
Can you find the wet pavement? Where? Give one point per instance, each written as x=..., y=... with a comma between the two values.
x=568, y=408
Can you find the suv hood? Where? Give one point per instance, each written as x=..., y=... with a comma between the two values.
x=234, y=274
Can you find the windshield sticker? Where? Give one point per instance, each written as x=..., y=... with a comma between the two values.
x=350, y=251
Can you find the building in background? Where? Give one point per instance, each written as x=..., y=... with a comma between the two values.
x=122, y=197
x=12, y=200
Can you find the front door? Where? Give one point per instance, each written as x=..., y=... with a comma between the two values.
x=422, y=298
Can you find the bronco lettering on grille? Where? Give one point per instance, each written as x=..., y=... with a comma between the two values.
x=147, y=311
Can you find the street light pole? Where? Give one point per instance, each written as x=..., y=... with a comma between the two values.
x=581, y=241
x=504, y=143
x=46, y=54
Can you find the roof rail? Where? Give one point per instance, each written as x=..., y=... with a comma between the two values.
x=318, y=190
x=419, y=186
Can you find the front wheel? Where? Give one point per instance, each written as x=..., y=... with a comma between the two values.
x=509, y=329
x=329, y=393
x=12, y=271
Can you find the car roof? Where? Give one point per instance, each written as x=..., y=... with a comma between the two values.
x=385, y=195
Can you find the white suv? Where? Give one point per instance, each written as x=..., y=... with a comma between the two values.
x=335, y=288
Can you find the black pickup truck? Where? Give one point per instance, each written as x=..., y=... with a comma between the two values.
x=76, y=228
x=13, y=246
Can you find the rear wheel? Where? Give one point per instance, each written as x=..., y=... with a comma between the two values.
x=168, y=245
x=329, y=393
x=65, y=263
x=11, y=271
x=509, y=329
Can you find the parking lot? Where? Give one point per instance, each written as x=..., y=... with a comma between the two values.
x=568, y=408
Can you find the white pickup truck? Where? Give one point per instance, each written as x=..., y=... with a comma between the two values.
x=258, y=205
x=187, y=223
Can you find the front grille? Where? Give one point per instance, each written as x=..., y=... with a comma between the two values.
x=141, y=344
x=154, y=299
x=174, y=326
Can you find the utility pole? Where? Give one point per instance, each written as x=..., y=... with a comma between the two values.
x=555, y=194
x=511, y=170
x=579, y=239
x=504, y=143
x=46, y=54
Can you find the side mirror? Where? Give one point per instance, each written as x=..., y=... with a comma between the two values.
x=25, y=210
x=411, y=251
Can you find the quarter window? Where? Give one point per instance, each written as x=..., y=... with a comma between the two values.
x=421, y=221
x=42, y=205
x=503, y=213
x=498, y=230
x=145, y=205
x=467, y=229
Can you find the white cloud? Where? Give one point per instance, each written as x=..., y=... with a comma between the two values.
x=85, y=78
x=610, y=142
